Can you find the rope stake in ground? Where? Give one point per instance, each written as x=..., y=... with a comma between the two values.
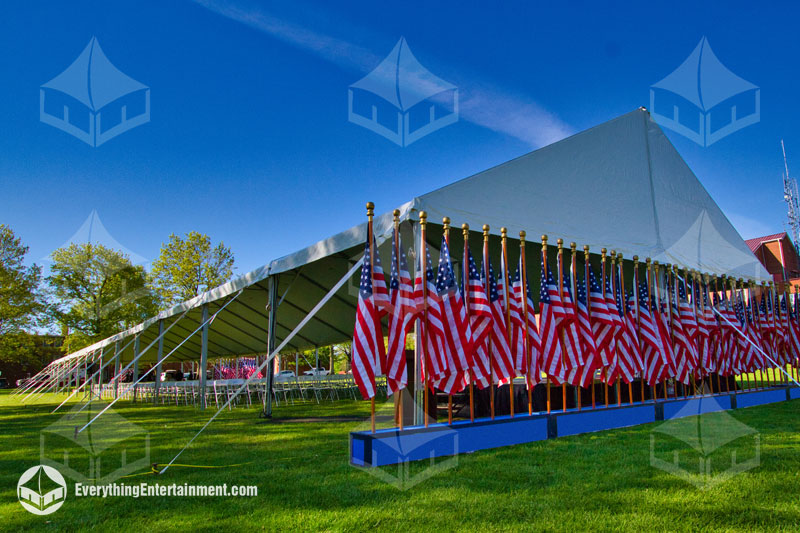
x=275, y=352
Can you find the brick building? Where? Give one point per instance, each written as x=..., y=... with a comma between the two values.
x=779, y=256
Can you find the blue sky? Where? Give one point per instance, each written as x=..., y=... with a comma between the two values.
x=249, y=140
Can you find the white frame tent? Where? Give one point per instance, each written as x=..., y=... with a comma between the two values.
x=619, y=185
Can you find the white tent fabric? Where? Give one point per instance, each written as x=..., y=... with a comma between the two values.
x=619, y=185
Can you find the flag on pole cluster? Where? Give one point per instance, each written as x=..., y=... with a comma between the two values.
x=549, y=302
x=497, y=348
x=479, y=310
x=369, y=352
x=403, y=312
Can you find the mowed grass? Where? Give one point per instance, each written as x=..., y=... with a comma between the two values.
x=601, y=481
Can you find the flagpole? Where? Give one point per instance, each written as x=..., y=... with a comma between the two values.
x=560, y=243
x=544, y=283
x=504, y=237
x=399, y=397
x=370, y=213
x=603, y=271
x=638, y=311
x=586, y=267
x=674, y=298
x=693, y=276
x=654, y=282
x=526, y=340
x=721, y=352
x=465, y=284
x=423, y=265
x=573, y=267
x=486, y=288
x=446, y=229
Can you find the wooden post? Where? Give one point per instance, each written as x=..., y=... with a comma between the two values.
x=587, y=265
x=423, y=261
x=398, y=399
x=605, y=274
x=486, y=288
x=574, y=270
x=560, y=243
x=446, y=228
x=544, y=273
x=526, y=339
x=507, y=301
x=370, y=213
x=465, y=284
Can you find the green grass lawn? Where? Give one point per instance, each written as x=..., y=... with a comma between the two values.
x=600, y=481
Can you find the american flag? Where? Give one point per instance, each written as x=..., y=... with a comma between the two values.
x=548, y=325
x=784, y=334
x=368, y=348
x=661, y=316
x=457, y=333
x=497, y=349
x=654, y=356
x=583, y=375
x=603, y=325
x=534, y=348
x=568, y=324
x=403, y=313
x=625, y=361
x=426, y=301
x=794, y=333
x=480, y=316
x=530, y=344
x=682, y=317
x=706, y=329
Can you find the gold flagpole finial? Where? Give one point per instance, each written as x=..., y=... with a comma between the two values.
x=446, y=224
x=573, y=246
x=465, y=229
x=423, y=218
x=370, y=209
x=396, y=214
x=486, y=232
x=503, y=232
x=586, y=252
x=522, y=235
x=544, y=240
x=560, y=244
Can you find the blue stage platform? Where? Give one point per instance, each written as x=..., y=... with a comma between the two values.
x=392, y=446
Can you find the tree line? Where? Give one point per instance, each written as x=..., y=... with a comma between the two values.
x=93, y=291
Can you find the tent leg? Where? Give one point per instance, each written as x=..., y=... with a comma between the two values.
x=135, y=365
x=272, y=308
x=157, y=377
x=117, y=368
x=204, y=357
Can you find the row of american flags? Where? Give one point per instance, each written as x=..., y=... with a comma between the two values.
x=483, y=328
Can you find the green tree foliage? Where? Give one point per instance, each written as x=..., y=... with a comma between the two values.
x=98, y=291
x=21, y=301
x=187, y=267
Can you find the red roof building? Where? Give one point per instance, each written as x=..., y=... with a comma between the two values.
x=779, y=256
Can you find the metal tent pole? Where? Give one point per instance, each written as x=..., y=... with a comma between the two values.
x=135, y=363
x=117, y=366
x=203, y=357
x=157, y=377
x=272, y=311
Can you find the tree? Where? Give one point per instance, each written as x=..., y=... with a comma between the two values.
x=21, y=301
x=98, y=291
x=188, y=267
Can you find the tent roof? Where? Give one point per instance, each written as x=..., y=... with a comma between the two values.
x=401, y=80
x=703, y=79
x=93, y=80
x=620, y=185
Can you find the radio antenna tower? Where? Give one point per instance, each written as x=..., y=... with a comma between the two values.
x=791, y=197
